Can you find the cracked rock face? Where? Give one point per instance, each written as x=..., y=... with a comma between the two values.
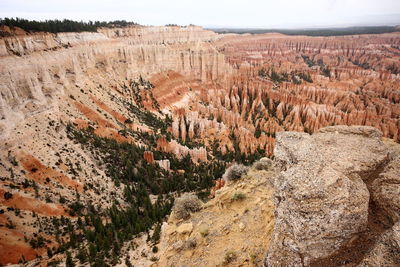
x=386, y=190
x=321, y=194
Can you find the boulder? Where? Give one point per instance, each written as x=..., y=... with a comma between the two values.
x=321, y=193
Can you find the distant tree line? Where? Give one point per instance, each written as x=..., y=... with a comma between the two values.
x=295, y=77
x=314, y=32
x=65, y=25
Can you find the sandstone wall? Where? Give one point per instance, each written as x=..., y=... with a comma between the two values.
x=36, y=69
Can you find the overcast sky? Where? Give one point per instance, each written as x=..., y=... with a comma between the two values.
x=222, y=13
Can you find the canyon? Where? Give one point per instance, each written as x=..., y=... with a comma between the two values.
x=179, y=102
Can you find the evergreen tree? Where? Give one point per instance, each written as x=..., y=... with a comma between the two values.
x=69, y=262
x=156, y=234
x=49, y=253
x=257, y=132
x=65, y=25
x=128, y=261
x=82, y=255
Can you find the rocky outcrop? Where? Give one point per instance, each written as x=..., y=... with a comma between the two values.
x=196, y=154
x=323, y=195
x=164, y=163
x=335, y=203
x=386, y=190
x=160, y=34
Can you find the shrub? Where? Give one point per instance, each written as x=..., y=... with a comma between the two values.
x=190, y=243
x=7, y=195
x=62, y=200
x=185, y=205
x=204, y=231
x=235, y=172
x=238, y=196
x=230, y=256
x=263, y=164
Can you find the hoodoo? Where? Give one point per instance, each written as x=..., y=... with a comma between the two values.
x=130, y=145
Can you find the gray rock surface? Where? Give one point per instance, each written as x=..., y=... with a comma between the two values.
x=386, y=252
x=386, y=190
x=321, y=194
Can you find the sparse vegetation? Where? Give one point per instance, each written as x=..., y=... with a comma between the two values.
x=185, y=205
x=230, y=256
x=124, y=163
x=204, y=230
x=62, y=200
x=235, y=172
x=253, y=258
x=7, y=195
x=238, y=196
x=263, y=164
x=295, y=77
x=12, y=159
x=190, y=243
x=326, y=72
x=69, y=262
x=10, y=225
x=37, y=242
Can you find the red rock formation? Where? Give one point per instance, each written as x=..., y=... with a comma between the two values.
x=361, y=90
x=148, y=156
x=196, y=154
x=163, y=145
x=208, y=84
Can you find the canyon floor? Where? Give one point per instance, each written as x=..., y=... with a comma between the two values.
x=101, y=131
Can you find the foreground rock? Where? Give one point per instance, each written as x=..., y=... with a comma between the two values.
x=386, y=251
x=386, y=190
x=322, y=196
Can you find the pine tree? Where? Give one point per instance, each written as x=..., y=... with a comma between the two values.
x=82, y=255
x=69, y=262
x=156, y=234
x=92, y=251
x=128, y=261
x=257, y=132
